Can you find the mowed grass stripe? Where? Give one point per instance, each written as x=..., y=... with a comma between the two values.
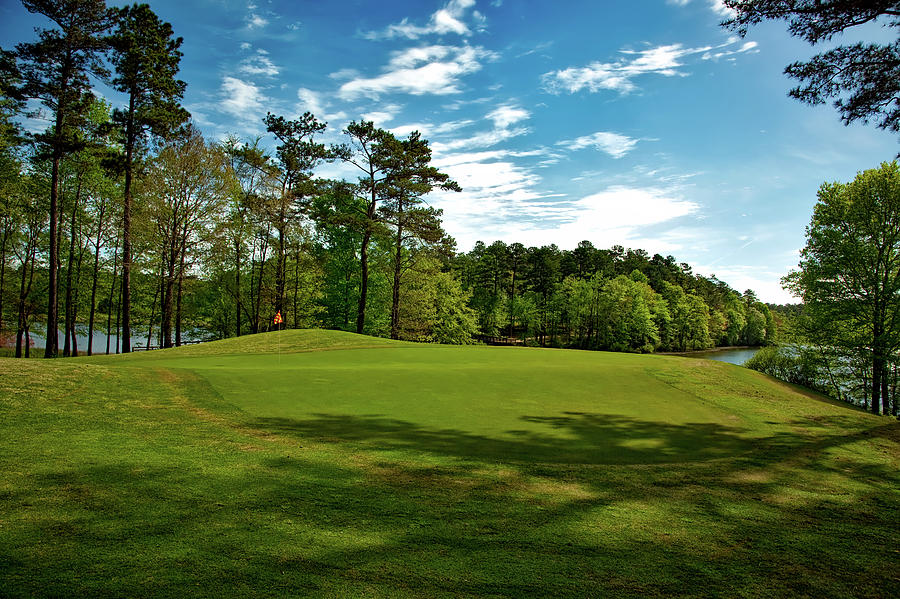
x=145, y=477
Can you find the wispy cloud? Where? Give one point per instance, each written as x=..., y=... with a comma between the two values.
x=717, y=6
x=503, y=118
x=614, y=144
x=385, y=114
x=242, y=99
x=258, y=64
x=419, y=71
x=254, y=21
x=717, y=54
x=720, y=9
x=619, y=75
x=451, y=19
x=505, y=200
x=496, y=192
x=431, y=129
x=310, y=101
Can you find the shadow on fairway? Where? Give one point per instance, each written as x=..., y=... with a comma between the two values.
x=571, y=438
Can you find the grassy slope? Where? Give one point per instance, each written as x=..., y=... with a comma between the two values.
x=391, y=470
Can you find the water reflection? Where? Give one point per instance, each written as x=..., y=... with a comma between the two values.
x=732, y=356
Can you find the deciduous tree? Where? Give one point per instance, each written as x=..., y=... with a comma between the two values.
x=849, y=271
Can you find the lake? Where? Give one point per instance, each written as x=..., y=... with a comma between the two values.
x=737, y=355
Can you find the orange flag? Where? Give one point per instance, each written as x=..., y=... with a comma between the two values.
x=278, y=319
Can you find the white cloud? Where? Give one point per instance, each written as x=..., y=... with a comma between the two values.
x=485, y=139
x=254, y=21
x=242, y=99
x=418, y=71
x=745, y=48
x=310, y=101
x=344, y=74
x=504, y=116
x=500, y=201
x=379, y=117
x=430, y=129
x=260, y=64
x=619, y=75
x=717, y=6
x=448, y=20
x=614, y=144
x=720, y=9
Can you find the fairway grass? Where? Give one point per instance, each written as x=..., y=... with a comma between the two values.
x=325, y=464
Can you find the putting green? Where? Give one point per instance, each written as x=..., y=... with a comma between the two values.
x=502, y=404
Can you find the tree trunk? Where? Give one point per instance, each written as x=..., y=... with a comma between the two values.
x=109, y=305
x=237, y=290
x=395, y=288
x=24, y=292
x=254, y=318
x=69, y=325
x=178, y=312
x=3, y=270
x=90, y=347
x=296, y=284
x=118, y=314
x=51, y=348
x=363, y=283
x=125, y=307
x=20, y=325
x=877, y=371
x=82, y=250
x=262, y=265
x=156, y=298
x=168, y=291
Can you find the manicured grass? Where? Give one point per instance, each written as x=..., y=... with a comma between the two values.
x=385, y=469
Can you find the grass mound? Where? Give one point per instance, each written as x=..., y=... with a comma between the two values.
x=275, y=342
x=403, y=470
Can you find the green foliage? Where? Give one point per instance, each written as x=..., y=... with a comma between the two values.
x=849, y=272
x=434, y=307
x=799, y=367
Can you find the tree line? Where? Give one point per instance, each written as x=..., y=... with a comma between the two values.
x=611, y=299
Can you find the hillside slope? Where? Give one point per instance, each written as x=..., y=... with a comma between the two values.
x=391, y=470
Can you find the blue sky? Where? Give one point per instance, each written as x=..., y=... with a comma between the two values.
x=637, y=123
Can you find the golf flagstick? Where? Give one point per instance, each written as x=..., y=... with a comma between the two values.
x=277, y=322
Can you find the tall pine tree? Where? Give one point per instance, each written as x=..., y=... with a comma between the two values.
x=146, y=58
x=56, y=69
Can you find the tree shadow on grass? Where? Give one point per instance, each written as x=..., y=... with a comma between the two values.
x=578, y=504
x=571, y=438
